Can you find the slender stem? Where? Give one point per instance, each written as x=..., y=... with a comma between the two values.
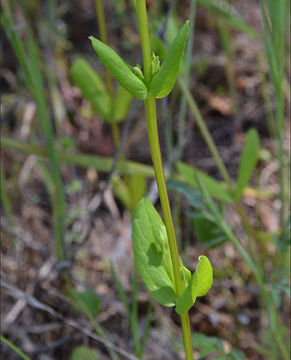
x=104, y=39
x=108, y=76
x=14, y=348
x=150, y=106
x=218, y=160
x=204, y=131
x=145, y=39
x=250, y=230
x=188, y=62
x=5, y=201
x=182, y=115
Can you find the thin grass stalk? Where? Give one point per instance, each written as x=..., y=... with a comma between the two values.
x=225, y=36
x=108, y=76
x=217, y=158
x=29, y=63
x=6, y=204
x=182, y=111
x=99, y=330
x=272, y=312
x=150, y=107
x=204, y=131
x=188, y=63
x=102, y=163
x=273, y=22
x=134, y=315
x=14, y=348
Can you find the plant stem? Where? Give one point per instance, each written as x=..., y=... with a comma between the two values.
x=150, y=107
x=14, y=348
x=249, y=229
x=5, y=201
x=103, y=163
x=104, y=39
x=204, y=131
x=108, y=76
x=218, y=160
x=188, y=63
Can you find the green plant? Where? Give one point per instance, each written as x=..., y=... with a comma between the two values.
x=154, y=243
x=274, y=20
x=14, y=348
x=211, y=345
x=139, y=340
x=88, y=303
x=26, y=52
x=5, y=201
x=83, y=353
x=233, y=193
x=113, y=105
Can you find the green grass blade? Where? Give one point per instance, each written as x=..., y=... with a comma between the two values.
x=4, y=198
x=14, y=348
x=134, y=314
x=100, y=163
x=225, y=10
x=120, y=290
x=29, y=61
x=249, y=158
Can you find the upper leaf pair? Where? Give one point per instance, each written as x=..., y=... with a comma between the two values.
x=153, y=261
x=132, y=80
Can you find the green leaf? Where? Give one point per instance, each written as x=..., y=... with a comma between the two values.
x=151, y=253
x=121, y=103
x=86, y=301
x=91, y=86
x=207, y=344
x=83, y=353
x=123, y=73
x=248, y=162
x=163, y=82
x=121, y=191
x=193, y=196
x=188, y=174
x=208, y=232
x=138, y=188
x=199, y=285
x=129, y=189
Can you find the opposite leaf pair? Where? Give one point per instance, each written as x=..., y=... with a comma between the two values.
x=153, y=261
x=131, y=78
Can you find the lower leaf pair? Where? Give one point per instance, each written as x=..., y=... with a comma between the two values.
x=153, y=261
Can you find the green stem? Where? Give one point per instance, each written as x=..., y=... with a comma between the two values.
x=108, y=76
x=5, y=201
x=150, y=107
x=104, y=39
x=249, y=229
x=14, y=348
x=204, y=131
x=188, y=63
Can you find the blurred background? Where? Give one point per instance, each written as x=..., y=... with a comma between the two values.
x=75, y=161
